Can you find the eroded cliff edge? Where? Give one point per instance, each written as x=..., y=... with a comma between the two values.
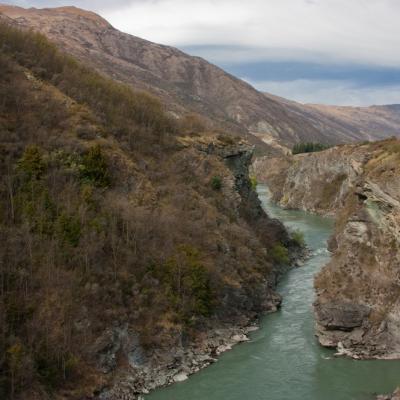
x=357, y=305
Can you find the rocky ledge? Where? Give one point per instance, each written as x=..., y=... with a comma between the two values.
x=164, y=368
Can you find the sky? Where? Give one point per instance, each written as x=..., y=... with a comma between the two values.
x=342, y=52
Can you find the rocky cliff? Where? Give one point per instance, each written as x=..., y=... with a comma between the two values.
x=318, y=182
x=357, y=306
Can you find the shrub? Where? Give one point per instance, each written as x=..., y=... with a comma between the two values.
x=31, y=163
x=69, y=229
x=187, y=284
x=308, y=147
x=94, y=168
x=298, y=238
x=280, y=254
x=192, y=123
x=253, y=182
x=216, y=183
x=227, y=139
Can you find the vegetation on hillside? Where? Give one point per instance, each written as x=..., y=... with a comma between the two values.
x=106, y=220
x=308, y=147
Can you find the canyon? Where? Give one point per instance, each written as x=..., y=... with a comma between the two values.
x=135, y=248
x=357, y=304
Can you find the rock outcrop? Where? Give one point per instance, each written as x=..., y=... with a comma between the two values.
x=316, y=182
x=394, y=396
x=357, y=307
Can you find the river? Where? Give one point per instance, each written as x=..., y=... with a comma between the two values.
x=283, y=360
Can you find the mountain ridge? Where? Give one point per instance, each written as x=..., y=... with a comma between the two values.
x=348, y=123
x=189, y=84
x=185, y=83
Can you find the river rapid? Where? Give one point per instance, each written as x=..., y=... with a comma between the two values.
x=283, y=360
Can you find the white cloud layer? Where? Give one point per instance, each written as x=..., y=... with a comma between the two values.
x=330, y=92
x=327, y=32
x=357, y=31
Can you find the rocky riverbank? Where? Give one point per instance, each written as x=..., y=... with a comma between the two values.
x=394, y=396
x=357, y=307
x=164, y=367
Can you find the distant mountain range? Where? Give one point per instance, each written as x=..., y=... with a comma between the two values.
x=191, y=84
x=347, y=124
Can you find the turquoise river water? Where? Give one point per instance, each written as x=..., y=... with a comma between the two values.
x=283, y=360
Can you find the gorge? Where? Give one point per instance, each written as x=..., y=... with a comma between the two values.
x=358, y=291
x=151, y=216
x=283, y=360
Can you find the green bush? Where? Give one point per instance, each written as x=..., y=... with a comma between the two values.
x=53, y=371
x=187, y=284
x=280, y=254
x=94, y=168
x=298, y=238
x=308, y=147
x=31, y=163
x=69, y=229
x=253, y=182
x=216, y=183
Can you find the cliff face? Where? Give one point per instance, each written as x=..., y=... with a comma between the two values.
x=316, y=182
x=357, y=306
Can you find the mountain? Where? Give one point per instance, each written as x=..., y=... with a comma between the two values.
x=347, y=124
x=190, y=84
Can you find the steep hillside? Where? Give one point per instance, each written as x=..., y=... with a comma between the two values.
x=358, y=292
x=347, y=124
x=186, y=83
x=131, y=254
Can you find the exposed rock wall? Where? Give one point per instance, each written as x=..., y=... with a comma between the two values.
x=315, y=182
x=357, y=306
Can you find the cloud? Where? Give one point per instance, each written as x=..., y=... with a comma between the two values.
x=362, y=31
x=350, y=46
x=325, y=31
x=331, y=92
